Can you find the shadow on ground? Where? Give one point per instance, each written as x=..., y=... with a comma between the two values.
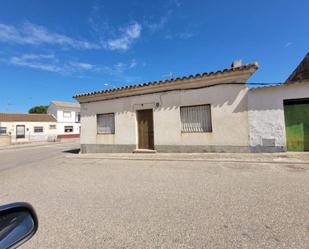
x=72, y=151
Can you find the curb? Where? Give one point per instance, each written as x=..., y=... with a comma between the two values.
x=17, y=147
x=188, y=160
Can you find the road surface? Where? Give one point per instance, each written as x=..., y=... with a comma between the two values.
x=101, y=203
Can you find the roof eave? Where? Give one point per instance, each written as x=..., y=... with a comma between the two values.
x=231, y=76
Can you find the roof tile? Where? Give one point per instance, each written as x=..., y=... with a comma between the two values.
x=23, y=117
x=199, y=75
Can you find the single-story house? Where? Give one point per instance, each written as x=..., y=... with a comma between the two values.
x=67, y=115
x=198, y=113
x=279, y=114
x=21, y=128
x=208, y=112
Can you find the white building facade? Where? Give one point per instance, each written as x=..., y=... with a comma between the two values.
x=279, y=115
x=210, y=112
x=268, y=117
x=23, y=128
x=201, y=113
x=67, y=115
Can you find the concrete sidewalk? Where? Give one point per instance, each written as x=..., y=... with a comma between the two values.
x=288, y=157
x=34, y=144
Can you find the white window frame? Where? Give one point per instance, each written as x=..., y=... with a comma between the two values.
x=193, y=122
x=106, y=130
x=38, y=127
x=67, y=112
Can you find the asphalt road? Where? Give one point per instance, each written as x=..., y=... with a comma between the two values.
x=99, y=203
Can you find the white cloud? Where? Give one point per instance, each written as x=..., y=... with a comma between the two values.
x=288, y=44
x=50, y=63
x=157, y=24
x=153, y=27
x=33, y=34
x=177, y=3
x=129, y=34
x=186, y=35
x=182, y=35
x=42, y=62
x=82, y=66
x=36, y=35
x=121, y=67
x=133, y=31
x=133, y=63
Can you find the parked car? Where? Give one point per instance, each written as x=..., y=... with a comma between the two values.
x=18, y=223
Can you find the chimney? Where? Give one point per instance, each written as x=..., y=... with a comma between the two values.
x=236, y=64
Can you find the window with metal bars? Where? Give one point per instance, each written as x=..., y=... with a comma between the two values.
x=106, y=123
x=195, y=118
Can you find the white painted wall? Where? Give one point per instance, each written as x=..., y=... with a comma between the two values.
x=61, y=126
x=228, y=107
x=48, y=134
x=266, y=114
x=63, y=121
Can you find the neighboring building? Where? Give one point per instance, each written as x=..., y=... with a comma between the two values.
x=67, y=115
x=28, y=127
x=200, y=113
x=279, y=115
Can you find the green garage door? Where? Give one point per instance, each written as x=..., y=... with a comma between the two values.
x=296, y=113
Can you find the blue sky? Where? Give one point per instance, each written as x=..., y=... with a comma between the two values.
x=51, y=50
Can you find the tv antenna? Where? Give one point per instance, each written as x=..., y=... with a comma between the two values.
x=169, y=76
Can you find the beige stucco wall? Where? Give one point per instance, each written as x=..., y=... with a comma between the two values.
x=228, y=109
x=47, y=135
x=5, y=140
x=266, y=113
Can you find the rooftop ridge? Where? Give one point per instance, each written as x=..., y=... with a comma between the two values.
x=254, y=65
x=26, y=117
x=21, y=113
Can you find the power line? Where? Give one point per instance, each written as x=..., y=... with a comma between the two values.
x=265, y=84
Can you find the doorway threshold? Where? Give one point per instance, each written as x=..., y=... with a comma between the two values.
x=146, y=151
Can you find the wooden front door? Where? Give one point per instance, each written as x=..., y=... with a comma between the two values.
x=145, y=129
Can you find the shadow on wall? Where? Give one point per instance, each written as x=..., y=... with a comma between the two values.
x=263, y=99
x=234, y=96
x=272, y=97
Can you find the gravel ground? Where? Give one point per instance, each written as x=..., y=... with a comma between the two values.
x=101, y=203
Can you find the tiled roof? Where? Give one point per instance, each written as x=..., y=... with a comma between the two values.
x=196, y=76
x=21, y=117
x=266, y=85
x=66, y=104
x=301, y=72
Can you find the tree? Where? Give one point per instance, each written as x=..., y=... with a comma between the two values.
x=41, y=109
